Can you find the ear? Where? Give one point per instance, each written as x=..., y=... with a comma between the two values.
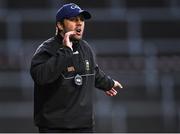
x=60, y=26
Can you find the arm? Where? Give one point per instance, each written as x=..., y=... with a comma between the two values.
x=46, y=68
x=106, y=83
x=102, y=81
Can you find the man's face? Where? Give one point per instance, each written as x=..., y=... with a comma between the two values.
x=74, y=24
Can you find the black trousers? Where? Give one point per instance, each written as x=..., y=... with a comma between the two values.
x=64, y=130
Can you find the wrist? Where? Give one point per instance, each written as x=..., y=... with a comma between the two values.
x=69, y=45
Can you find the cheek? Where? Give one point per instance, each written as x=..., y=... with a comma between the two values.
x=69, y=27
x=83, y=25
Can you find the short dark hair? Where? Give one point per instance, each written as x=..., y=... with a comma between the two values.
x=58, y=30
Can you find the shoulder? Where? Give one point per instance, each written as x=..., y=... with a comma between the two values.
x=86, y=45
x=88, y=48
x=49, y=46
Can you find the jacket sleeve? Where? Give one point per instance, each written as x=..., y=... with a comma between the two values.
x=46, y=68
x=102, y=81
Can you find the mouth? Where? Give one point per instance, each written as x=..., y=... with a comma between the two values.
x=78, y=31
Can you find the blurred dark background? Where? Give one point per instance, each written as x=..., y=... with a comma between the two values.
x=136, y=42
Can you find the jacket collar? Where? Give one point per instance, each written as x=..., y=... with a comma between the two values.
x=59, y=39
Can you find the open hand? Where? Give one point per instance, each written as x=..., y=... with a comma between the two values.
x=66, y=40
x=113, y=91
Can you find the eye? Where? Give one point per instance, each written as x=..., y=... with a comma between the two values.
x=82, y=18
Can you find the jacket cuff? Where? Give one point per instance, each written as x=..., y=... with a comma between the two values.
x=111, y=84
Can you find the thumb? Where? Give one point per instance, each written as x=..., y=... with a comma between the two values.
x=117, y=84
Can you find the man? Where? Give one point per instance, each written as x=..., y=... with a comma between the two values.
x=65, y=72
